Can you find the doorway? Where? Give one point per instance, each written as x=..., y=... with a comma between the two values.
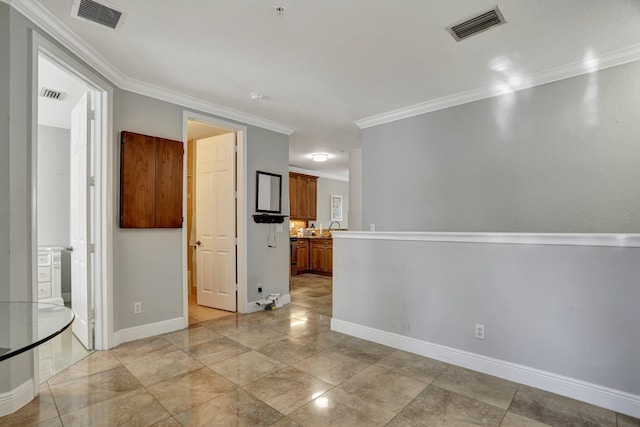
x=215, y=208
x=70, y=230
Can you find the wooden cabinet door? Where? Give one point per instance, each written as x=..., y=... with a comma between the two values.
x=327, y=259
x=168, y=191
x=317, y=256
x=137, y=181
x=294, y=189
x=303, y=255
x=312, y=198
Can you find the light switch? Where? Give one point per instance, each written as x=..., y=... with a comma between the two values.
x=279, y=228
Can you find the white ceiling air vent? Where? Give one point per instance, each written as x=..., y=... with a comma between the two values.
x=51, y=94
x=477, y=24
x=96, y=12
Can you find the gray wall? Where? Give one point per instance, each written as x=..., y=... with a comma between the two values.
x=54, y=187
x=568, y=310
x=267, y=152
x=562, y=157
x=327, y=187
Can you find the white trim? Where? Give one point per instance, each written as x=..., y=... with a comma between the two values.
x=254, y=307
x=242, y=215
x=605, y=397
x=15, y=399
x=148, y=330
x=567, y=239
x=55, y=28
x=319, y=174
x=612, y=59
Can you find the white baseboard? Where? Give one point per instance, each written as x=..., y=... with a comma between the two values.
x=15, y=399
x=145, y=331
x=619, y=401
x=253, y=307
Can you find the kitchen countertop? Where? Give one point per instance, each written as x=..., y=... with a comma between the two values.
x=313, y=237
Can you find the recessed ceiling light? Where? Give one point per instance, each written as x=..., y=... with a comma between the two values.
x=319, y=157
x=255, y=96
x=279, y=9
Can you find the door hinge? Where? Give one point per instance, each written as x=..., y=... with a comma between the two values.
x=92, y=248
x=236, y=287
x=235, y=241
x=92, y=181
x=235, y=194
x=91, y=114
x=92, y=315
x=235, y=148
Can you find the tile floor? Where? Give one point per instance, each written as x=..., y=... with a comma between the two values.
x=287, y=368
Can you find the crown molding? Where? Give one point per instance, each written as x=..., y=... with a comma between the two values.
x=318, y=174
x=608, y=60
x=35, y=12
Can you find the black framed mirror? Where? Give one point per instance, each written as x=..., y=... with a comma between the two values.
x=268, y=192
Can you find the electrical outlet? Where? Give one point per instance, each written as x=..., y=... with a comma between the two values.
x=137, y=307
x=479, y=331
x=279, y=228
x=372, y=227
x=259, y=287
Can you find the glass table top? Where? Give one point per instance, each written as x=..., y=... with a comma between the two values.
x=25, y=325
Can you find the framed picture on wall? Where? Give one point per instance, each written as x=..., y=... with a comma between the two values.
x=336, y=208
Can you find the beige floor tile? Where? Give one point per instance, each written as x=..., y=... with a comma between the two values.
x=136, y=408
x=227, y=326
x=169, y=422
x=515, y=420
x=190, y=337
x=413, y=366
x=296, y=326
x=486, y=388
x=438, y=407
x=557, y=410
x=287, y=351
x=288, y=389
x=98, y=361
x=339, y=408
x=400, y=421
x=257, y=337
x=53, y=422
x=59, y=353
x=331, y=367
x=216, y=350
x=236, y=408
x=161, y=368
x=40, y=409
x=366, y=351
x=286, y=422
x=81, y=392
x=384, y=388
x=143, y=349
x=189, y=390
x=627, y=421
x=316, y=318
x=247, y=367
x=322, y=340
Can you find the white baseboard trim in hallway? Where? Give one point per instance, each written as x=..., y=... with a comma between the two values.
x=253, y=306
x=616, y=400
x=15, y=399
x=149, y=330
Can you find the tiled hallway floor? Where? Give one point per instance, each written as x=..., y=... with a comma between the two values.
x=287, y=368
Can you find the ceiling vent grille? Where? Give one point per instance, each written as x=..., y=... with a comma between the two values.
x=51, y=94
x=477, y=24
x=96, y=12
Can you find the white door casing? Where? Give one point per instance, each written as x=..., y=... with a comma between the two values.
x=81, y=133
x=216, y=221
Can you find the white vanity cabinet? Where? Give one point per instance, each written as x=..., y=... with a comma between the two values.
x=50, y=275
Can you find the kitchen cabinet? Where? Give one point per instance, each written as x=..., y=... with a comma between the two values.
x=150, y=182
x=302, y=196
x=321, y=256
x=303, y=255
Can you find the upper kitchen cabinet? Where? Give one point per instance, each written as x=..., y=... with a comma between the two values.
x=302, y=196
x=150, y=182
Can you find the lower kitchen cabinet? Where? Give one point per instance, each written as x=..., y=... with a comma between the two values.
x=315, y=256
x=303, y=255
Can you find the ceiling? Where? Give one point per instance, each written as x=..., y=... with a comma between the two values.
x=323, y=66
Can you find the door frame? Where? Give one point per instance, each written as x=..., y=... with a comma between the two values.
x=241, y=213
x=101, y=206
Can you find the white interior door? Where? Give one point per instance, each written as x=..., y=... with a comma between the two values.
x=79, y=225
x=216, y=221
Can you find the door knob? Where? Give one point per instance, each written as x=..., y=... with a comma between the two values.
x=199, y=243
x=69, y=249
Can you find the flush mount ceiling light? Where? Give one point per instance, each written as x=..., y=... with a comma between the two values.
x=319, y=157
x=255, y=96
x=279, y=9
